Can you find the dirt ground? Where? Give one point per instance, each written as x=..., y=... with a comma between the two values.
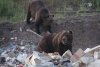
x=86, y=31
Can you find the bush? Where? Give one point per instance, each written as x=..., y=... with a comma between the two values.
x=10, y=10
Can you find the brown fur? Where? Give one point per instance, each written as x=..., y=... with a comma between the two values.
x=54, y=42
x=40, y=16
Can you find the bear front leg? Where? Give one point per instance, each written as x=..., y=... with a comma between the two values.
x=28, y=17
x=49, y=29
x=37, y=27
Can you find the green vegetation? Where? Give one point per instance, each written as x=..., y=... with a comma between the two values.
x=10, y=10
x=15, y=10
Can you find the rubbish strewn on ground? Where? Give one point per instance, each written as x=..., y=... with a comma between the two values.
x=90, y=58
x=25, y=56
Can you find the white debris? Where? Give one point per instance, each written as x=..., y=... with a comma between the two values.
x=94, y=64
x=67, y=54
x=25, y=56
x=22, y=57
x=87, y=60
x=38, y=60
x=54, y=56
x=90, y=58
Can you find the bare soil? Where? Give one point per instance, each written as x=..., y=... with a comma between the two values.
x=86, y=31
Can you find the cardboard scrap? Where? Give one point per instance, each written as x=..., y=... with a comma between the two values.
x=54, y=56
x=67, y=54
x=77, y=55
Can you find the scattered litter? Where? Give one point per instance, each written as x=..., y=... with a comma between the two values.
x=90, y=58
x=21, y=57
x=15, y=55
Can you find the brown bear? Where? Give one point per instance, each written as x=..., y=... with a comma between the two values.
x=56, y=42
x=40, y=16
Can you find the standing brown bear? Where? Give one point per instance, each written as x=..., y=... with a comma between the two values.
x=56, y=42
x=40, y=16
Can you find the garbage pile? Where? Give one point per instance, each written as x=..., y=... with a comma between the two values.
x=46, y=60
x=87, y=58
x=14, y=55
x=26, y=56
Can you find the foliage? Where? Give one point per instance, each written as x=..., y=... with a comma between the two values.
x=15, y=10
x=10, y=10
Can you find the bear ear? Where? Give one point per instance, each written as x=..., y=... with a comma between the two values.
x=70, y=32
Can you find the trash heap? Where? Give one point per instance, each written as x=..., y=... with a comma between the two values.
x=87, y=58
x=26, y=56
x=46, y=60
x=14, y=55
